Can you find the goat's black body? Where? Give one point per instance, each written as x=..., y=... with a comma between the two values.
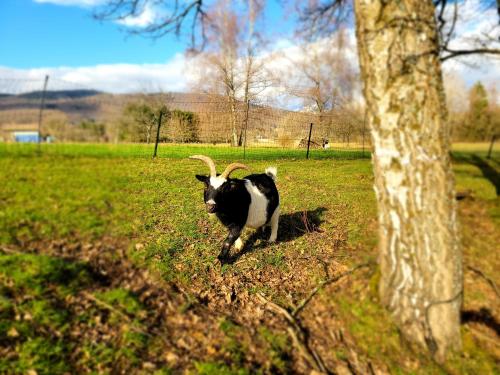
x=266, y=186
x=234, y=200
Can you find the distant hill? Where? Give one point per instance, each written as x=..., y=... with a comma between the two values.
x=78, y=105
x=61, y=94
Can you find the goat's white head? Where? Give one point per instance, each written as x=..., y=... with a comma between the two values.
x=214, y=183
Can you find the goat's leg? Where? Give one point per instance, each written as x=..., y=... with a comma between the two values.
x=238, y=245
x=274, y=224
x=234, y=234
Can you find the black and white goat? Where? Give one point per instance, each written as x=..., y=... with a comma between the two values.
x=238, y=203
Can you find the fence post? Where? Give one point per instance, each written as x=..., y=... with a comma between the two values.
x=42, y=104
x=158, y=133
x=491, y=146
x=309, y=140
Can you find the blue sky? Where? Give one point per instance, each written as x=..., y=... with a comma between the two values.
x=47, y=35
x=60, y=38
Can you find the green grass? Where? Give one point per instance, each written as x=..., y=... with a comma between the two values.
x=365, y=316
x=176, y=151
x=36, y=320
x=159, y=203
x=33, y=288
x=84, y=193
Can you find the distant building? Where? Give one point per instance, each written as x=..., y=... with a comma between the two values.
x=26, y=137
x=19, y=132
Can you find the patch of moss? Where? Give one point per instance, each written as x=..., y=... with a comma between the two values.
x=278, y=352
x=473, y=359
x=123, y=299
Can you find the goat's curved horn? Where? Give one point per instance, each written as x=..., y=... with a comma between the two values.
x=208, y=161
x=232, y=167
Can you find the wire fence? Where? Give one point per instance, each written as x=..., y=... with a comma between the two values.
x=66, y=114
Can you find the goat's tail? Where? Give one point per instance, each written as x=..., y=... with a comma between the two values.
x=272, y=172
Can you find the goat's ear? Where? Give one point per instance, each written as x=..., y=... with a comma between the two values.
x=201, y=178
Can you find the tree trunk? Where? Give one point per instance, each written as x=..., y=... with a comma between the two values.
x=420, y=253
x=234, y=120
x=148, y=133
x=244, y=123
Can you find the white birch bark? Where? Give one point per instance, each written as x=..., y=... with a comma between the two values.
x=420, y=254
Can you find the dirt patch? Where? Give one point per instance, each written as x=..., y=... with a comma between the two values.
x=220, y=320
x=217, y=320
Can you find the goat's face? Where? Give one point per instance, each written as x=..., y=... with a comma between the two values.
x=212, y=191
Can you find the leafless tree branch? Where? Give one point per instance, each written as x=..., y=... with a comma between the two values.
x=323, y=17
x=481, y=44
x=175, y=16
x=320, y=18
x=455, y=53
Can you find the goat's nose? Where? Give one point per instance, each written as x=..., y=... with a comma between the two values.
x=211, y=207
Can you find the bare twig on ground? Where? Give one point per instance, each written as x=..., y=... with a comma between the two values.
x=295, y=330
x=298, y=335
x=488, y=280
x=115, y=310
x=8, y=250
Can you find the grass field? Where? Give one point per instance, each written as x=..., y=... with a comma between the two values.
x=179, y=151
x=108, y=265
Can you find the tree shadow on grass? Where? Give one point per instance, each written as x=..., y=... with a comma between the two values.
x=488, y=171
x=481, y=316
x=487, y=168
x=291, y=226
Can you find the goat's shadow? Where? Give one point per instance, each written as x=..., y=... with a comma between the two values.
x=291, y=226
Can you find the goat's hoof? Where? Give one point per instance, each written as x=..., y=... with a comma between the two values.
x=238, y=245
x=223, y=259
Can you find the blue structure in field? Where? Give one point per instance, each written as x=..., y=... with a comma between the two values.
x=26, y=137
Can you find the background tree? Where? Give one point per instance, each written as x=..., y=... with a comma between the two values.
x=494, y=110
x=321, y=74
x=229, y=64
x=140, y=119
x=57, y=124
x=457, y=103
x=181, y=126
x=478, y=120
x=92, y=131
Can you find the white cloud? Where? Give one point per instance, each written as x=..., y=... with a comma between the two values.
x=179, y=73
x=82, y=3
x=115, y=78
x=145, y=18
